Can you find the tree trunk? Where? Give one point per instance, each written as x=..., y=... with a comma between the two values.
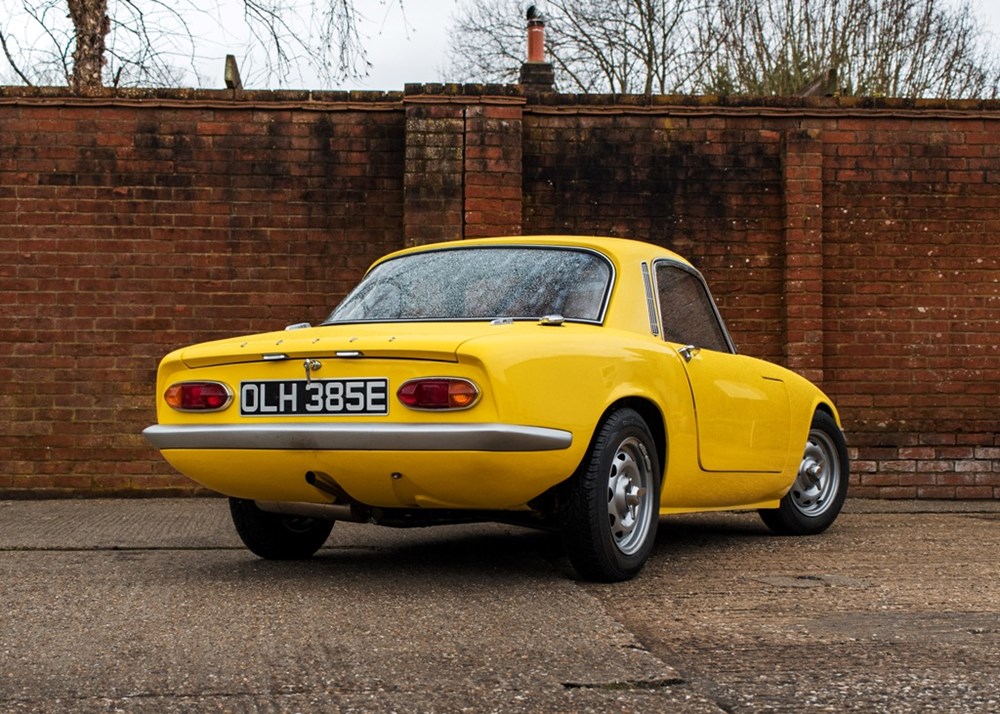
x=91, y=23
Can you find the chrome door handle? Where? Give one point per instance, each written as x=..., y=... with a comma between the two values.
x=688, y=351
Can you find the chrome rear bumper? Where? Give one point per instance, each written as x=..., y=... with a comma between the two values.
x=360, y=437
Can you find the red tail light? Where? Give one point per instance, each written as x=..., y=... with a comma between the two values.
x=438, y=393
x=198, y=396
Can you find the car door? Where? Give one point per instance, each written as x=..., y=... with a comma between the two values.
x=741, y=408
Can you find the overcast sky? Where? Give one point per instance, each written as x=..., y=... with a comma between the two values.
x=415, y=53
x=405, y=44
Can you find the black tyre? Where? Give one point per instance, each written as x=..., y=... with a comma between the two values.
x=610, y=519
x=276, y=536
x=820, y=488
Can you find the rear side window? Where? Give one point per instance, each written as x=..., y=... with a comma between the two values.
x=686, y=307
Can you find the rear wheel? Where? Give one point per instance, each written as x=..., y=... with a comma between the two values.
x=610, y=519
x=277, y=536
x=819, y=491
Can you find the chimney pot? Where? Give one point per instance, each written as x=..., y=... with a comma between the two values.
x=536, y=40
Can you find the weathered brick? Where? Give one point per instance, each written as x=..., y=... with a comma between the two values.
x=918, y=453
x=935, y=466
x=901, y=492
x=974, y=492
x=936, y=492
x=880, y=479
x=973, y=466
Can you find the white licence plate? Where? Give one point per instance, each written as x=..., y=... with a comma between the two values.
x=298, y=397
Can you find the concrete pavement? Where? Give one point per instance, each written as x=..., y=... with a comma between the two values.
x=153, y=605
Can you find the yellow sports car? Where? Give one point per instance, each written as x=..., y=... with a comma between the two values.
x=586, y=385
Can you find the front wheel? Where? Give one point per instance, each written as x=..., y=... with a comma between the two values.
x=819, y=491
x=610, y=519
x=277, y=536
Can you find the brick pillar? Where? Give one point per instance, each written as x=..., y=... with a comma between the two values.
x=537, y=77
x=463, y=164
x=803, y=234
x=433, y=201
x=493, y=190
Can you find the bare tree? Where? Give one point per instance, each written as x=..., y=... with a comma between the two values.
x=487, y=42
x=898, y=48
x=624, y=46
x=90, y=44
x=902, y=48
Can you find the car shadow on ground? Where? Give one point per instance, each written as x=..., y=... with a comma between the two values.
x=483, y=550
x=441, y=553
x=698, y=533
x=715, y=525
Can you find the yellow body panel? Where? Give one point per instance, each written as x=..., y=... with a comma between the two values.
x=733, y=427
x=743, y=412
x=386, y=479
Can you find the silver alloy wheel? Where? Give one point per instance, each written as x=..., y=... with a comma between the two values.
x=630, y=485
x=819, y=476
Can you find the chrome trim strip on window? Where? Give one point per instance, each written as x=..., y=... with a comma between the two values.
x=647, y=283
x=360, y=437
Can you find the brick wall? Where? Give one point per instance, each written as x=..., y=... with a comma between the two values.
x=858, y=245
x=129, y=228
x=855, y=242
x=912, y=326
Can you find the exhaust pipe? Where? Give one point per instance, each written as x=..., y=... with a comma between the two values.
x=322, y=511
x=326, y=484
x=345, y=510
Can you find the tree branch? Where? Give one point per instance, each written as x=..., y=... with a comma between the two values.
x=11, y=62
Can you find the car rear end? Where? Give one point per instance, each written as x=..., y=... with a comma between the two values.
x=385, y=415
